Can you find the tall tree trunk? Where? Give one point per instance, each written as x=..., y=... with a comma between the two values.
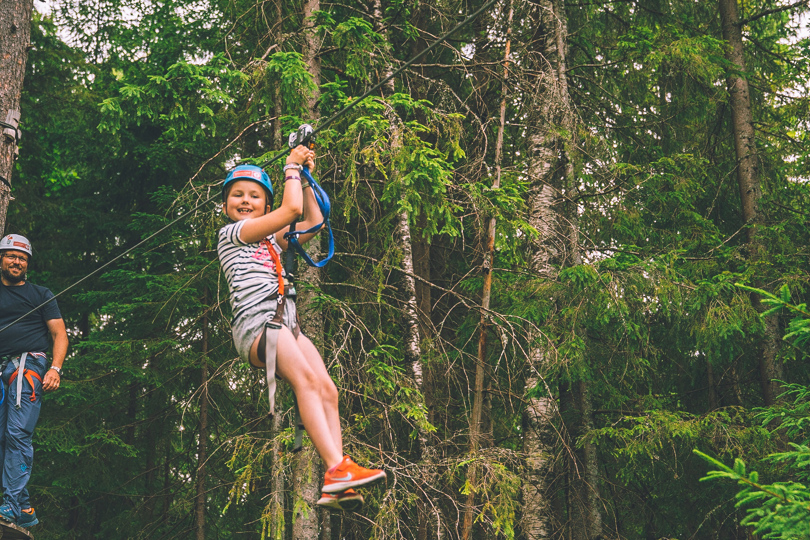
x=584, y=516
x=278, y=139
x=150, y=439
x=202, y=448
x=307, y=480
x=308, y=475
x=749, y=186
x=428, y=507
x=557, y=246
x=430, y=520
x=476, y=427
x=277, y=502
x=15, y=36
x=541, y=409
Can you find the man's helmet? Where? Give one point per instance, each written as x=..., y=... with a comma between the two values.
x=16, y=242
x=252, y=173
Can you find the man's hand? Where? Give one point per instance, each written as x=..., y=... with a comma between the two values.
x=51, y=380
x=56, y=327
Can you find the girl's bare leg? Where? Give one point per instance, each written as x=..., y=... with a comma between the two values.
x=328, y=389
x=294, y=367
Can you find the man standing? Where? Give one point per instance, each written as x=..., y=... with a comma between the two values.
x=25, y=371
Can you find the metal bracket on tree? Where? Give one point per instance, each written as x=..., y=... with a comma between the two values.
x=11, y=130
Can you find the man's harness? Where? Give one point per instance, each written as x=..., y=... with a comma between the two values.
x=28, y=374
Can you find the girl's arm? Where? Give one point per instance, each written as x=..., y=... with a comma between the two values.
x=292, y=204
x=312, y=213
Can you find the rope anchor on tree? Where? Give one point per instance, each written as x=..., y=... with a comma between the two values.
x=10, y=127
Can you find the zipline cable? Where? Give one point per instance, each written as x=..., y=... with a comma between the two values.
x=278, y=156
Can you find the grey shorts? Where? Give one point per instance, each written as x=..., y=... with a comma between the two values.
x=251, y=324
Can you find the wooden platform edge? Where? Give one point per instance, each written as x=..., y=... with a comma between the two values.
x=9, y=531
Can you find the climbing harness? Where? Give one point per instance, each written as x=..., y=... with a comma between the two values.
x=271, y=332
x=27, y=374
x=278, y=156
x=272, y=328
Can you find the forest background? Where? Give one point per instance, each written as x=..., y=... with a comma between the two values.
x=556, y=237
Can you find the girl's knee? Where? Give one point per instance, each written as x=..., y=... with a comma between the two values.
x=329, y=391
x=305, y=380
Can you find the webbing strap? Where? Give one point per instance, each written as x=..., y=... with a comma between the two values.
x=326, y=209
x=277, y=262
x=20, y=369
x=271, y=330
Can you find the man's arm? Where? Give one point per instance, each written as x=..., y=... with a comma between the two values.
x=60, y=346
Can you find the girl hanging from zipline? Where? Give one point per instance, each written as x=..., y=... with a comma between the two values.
x=265, y=322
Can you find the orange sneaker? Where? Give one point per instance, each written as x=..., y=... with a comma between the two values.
x=348, y=474
x=348, y=500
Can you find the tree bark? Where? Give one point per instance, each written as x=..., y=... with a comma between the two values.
x=748, y=181
x=306, y=487
x=476, y=423
x=584, y=516
x=307, y=477
x=557, y=246
x=278, y=138
x=15, y=36
x=278, y=483
x=429, y=512
x=202, y=448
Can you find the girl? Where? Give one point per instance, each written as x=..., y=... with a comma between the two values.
x=265, y=324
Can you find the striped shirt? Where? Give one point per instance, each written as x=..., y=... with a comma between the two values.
x=248, y=268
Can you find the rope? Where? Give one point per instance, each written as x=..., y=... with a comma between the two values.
x=278, y=156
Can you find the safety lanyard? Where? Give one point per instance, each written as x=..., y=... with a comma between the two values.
x=277, y=262
x=326, y=208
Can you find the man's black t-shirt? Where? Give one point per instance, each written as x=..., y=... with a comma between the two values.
x=30, y=334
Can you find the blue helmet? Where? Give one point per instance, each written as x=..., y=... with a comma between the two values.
x=252, y=173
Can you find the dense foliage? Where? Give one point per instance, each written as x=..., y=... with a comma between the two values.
x=134, y=110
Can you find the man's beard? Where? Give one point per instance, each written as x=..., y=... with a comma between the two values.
x=11, y=278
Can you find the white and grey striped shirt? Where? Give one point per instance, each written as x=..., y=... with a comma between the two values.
x=248, y=268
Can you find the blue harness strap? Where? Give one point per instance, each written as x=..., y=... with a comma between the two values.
x=326, y=208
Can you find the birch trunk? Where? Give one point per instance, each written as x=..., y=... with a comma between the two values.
x=749, y=187
x=431, y=523
x=15, y=36
x=557, y=246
